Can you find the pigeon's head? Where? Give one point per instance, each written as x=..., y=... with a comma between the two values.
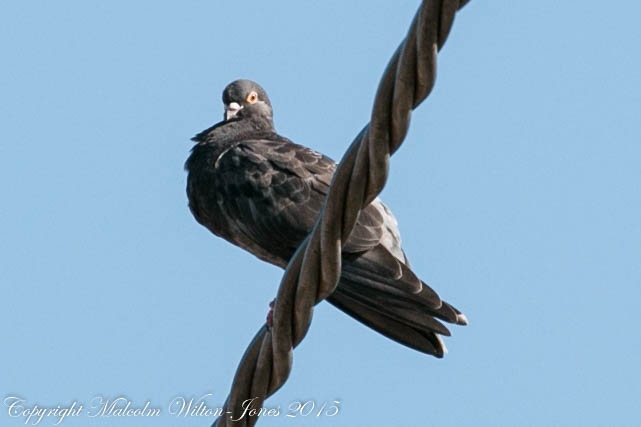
x=245, y=99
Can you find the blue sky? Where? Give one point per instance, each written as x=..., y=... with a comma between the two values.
x=518, y=192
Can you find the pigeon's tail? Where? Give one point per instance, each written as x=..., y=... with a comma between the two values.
x=401, y=308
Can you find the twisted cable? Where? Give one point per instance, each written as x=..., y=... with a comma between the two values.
x=313, y=272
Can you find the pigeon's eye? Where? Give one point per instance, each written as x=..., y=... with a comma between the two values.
x=252, y=97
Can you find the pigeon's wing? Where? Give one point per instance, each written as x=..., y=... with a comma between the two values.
x=271, y=192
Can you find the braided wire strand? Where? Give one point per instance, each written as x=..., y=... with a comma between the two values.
x=313, y=272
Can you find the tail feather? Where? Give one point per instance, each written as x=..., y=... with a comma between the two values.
x=401, y=309
x=404, y=283
x=399, y=306
x=449, y=314
x=421, y=340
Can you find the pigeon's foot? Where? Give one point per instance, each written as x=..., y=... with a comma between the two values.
x=270, y=315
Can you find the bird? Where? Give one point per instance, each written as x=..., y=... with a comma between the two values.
x=263, y=193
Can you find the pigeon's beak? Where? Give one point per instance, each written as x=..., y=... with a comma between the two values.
x=232, y=109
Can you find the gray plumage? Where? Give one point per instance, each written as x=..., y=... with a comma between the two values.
x=263, y=193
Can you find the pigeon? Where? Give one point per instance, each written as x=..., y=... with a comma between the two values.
x=260, y=191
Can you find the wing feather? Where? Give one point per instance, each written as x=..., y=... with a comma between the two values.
x=273, y=190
